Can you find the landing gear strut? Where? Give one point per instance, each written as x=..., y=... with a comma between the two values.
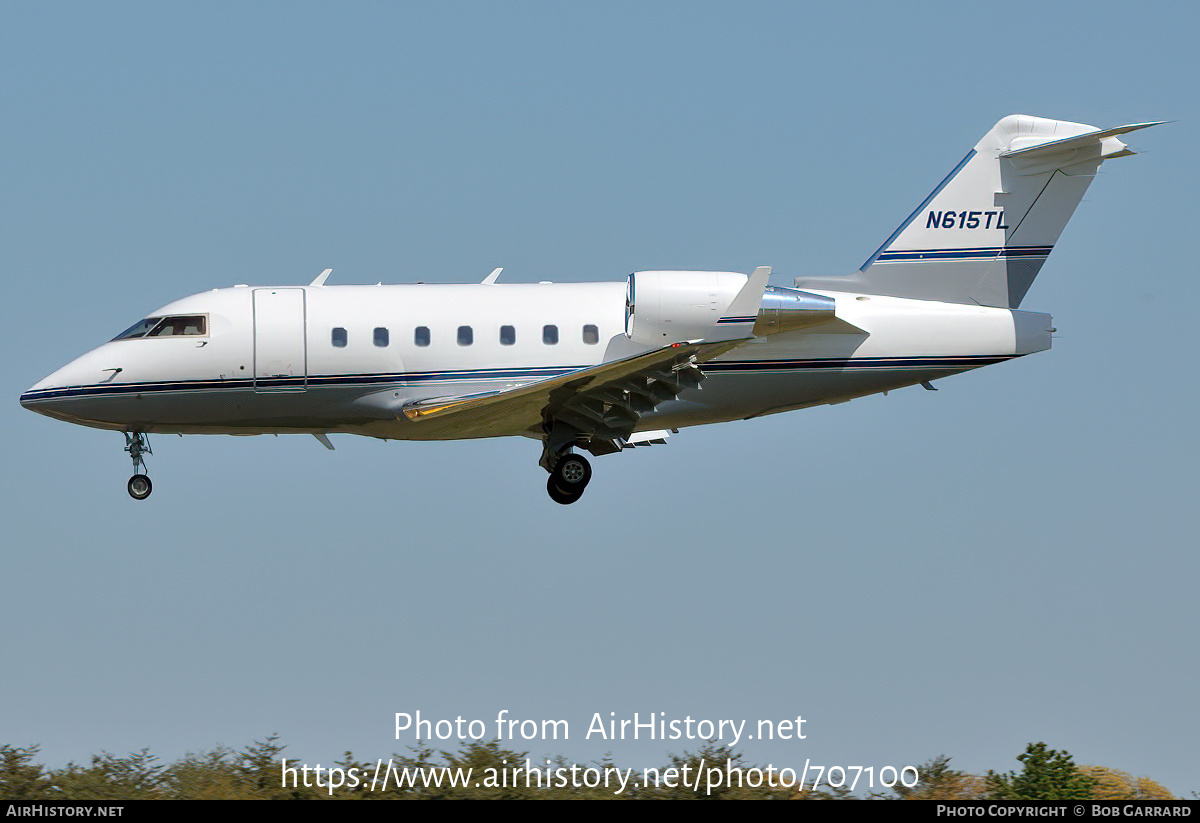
x=568, y=478
x=139, y=485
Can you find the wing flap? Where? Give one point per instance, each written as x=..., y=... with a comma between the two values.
x=587, y=396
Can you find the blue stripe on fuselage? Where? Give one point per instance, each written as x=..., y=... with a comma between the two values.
x=526, y=374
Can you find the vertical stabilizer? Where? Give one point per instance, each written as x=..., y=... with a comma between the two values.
x=983, y=234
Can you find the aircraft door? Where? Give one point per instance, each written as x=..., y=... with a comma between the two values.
x=280, y=356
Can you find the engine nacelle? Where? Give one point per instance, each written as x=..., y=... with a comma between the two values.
x=664, y=307
x=791, y=309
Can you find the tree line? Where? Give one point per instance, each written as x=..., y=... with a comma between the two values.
x=255, y=773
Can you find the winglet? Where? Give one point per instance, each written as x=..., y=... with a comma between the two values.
x=490, y=280
x=320, y=278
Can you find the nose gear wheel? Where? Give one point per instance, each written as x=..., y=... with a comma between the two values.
x=139, y=486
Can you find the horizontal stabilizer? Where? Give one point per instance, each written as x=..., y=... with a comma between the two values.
x=1078, y=141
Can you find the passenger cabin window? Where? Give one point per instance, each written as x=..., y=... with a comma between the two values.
x=465, y=336
x=179, y=325
x=508, y=335
x=591, y=335
x=338, y=338
x=381, y=337
x=550, y=335
x=421, y=336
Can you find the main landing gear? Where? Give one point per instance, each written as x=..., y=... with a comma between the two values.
x=139, y=485
x=569, y=472
x=568, y=478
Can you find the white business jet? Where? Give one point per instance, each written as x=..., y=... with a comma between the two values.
x=603, y=366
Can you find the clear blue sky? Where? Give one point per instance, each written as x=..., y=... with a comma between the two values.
x=1012, y=559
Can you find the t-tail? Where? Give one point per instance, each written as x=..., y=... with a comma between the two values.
x=983, y=234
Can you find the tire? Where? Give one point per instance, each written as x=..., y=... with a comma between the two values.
x=140, y=487
x=572, y=472
x=559, y=496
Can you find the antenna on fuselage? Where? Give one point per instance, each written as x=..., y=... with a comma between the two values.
x=490, y=280
x=320, y=279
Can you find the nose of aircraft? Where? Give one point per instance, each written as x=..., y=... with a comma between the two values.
x=51, y=395
x=64, y=394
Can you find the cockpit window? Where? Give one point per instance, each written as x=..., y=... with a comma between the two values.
x=138, y=329
x=179, y=325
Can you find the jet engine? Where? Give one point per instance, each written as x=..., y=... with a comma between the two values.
x=791, y=309
x=663, y=307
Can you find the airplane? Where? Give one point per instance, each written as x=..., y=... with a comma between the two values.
x=604, y=367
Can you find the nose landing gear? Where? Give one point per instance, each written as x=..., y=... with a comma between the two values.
x=139, y=485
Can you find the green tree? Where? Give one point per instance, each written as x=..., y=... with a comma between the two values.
x=1113, y=784
x=137, y=776
x=496, y=774
x=420, y=761
x=606, y=766
x=209, y=775
x=260, y=772
x=360, y=770
x=734, y=781
x=1047, y=775
x=20, y=777
x=937, y=781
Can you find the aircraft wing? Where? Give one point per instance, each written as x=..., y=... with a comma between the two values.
x=601, y=402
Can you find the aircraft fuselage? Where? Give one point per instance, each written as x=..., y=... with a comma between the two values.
x=327, y=359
